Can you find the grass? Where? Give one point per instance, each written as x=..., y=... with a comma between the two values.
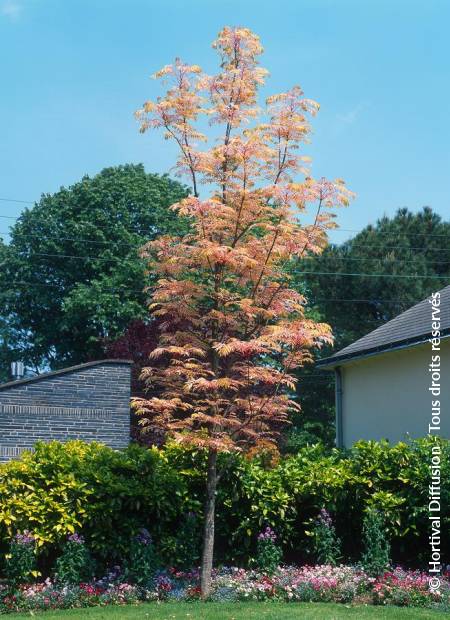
x=239, y=611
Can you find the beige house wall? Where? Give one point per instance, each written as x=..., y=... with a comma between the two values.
x=387, y=395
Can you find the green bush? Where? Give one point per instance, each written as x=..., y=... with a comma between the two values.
x=376, y=557
x=21, y=566
x=325, y=545
x=75, y=564
x=142, y=562
x=268, y=553
x=109, y=495
x=106, y=494
x=183, y=549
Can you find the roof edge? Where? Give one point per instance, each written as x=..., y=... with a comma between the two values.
x=63, y=371
x=328, y=363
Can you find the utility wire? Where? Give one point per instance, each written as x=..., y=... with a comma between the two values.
x=320, y=256
x=115, y=258
x=29, y=202
x=79, y=239
x=311, y=301
x=318, y=273
x=354, y=230
x=372, y=275
x=379, y=232
x=136, y=247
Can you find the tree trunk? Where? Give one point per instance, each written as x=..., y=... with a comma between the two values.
x=208, y=532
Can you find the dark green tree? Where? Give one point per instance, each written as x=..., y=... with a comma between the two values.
x=5, y=352
x=416, y=245
x=71, y=276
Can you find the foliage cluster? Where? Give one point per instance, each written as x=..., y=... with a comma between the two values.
x=21, y=561
x=326, y=546
x=376, y=558
x=109, y=495
x=268, y=553
x=71, y=274
x=142, y=561
x=75, y=563
x=409, y=251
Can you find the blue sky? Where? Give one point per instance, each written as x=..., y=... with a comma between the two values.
x=74, y=71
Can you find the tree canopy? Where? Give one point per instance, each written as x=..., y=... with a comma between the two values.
x=233, y=329
x=400, y=257
x=408, y=251
x=71, y=275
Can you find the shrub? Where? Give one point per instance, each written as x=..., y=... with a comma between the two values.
x=21, y=566
x=77, y=486
x=106, y=494
x=183, y=549
x=143, y=561
x=325, y=545
x=75, y=564
x=376, y=557
x=269, y=554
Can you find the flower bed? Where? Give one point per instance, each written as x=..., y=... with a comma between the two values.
x=339, y=584
x=46, y=595
x=406, y=588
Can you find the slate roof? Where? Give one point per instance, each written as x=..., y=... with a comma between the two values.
x=62, y=371
x=410, y=327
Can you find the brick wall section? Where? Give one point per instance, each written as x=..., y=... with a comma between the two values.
x=89, y=402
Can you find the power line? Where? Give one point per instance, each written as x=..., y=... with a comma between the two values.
x=56, y=285
x=311, y=301
x=338, y=229
x=136, y=247
x=331, y=256
x=29, y=202
x=320, y=256
x=389, y=247
x=379, y=232
x=317, y=273
x=371, y=275
x=378, y=258
x=96, y=258
x=116, y=258
x=362, y=301
x=79, y=239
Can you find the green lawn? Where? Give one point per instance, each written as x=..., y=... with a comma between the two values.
x=239, y=611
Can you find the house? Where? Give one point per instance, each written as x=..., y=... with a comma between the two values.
x=390, y=382
x=89, y=401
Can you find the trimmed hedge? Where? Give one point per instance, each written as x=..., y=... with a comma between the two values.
x=90, y=488
x=108, y=495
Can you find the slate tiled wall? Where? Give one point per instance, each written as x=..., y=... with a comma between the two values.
x=90, y=402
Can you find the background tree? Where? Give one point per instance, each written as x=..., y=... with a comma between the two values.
x=5, y=358
x=413, y=246
x=136, y=343
x=232, y=328
x=71, y=275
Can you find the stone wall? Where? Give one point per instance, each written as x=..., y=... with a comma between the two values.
x=90, y=402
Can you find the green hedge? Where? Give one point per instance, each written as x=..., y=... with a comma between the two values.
x=90, y=488
x=108, y=496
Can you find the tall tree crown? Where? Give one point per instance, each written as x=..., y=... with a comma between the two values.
x=232, y=328
x=71, y=275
